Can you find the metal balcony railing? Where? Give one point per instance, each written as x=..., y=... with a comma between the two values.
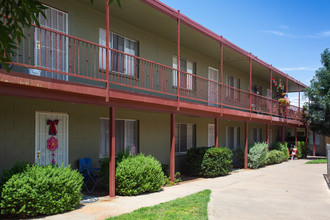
x=53, y=54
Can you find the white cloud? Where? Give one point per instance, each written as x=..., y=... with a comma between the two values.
x=300, y=68
x=278, y=33
x=324, y=34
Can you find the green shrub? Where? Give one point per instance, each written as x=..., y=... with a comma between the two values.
x=177, y=179
x=104, y=166
x=216, y=162
x=139, y=174
x=274, y=157
x=43, y=190
x=19, y=167
x=302, y=150
x=238, y=157
x=257, y=155
x=194, y=160
x=281, y=147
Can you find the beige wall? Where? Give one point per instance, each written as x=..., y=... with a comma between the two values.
x=17, y=129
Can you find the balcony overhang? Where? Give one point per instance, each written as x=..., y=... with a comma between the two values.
x=157, y=18
x=24, y=85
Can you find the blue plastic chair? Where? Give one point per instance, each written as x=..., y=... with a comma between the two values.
x=86, y=169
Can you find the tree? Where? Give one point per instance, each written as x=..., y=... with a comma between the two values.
x=319, y=95
x=15, y=16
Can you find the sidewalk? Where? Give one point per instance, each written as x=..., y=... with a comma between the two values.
x=291, y=190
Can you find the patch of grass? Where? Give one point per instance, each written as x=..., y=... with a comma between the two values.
x=317, y=161
x=190, y=207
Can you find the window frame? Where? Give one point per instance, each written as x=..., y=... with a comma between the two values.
x=233, y=92
x=106, y=143
x=258, y=135
x=183, y=74
x=178, y=137
x=102, y=54
x=236, y=136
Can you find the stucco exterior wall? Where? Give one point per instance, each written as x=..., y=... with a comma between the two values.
x=17, y=129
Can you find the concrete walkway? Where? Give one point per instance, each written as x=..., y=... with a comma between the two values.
x=291, y=190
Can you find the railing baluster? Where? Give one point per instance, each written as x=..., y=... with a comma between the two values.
x=23, y=55
x=78, y=59
x=29, y=39
x=70, y=63
x=57, y=50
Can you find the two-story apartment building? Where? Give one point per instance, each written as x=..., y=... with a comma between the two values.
x=95, y=80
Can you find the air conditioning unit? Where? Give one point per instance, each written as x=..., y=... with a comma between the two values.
x=34, y=72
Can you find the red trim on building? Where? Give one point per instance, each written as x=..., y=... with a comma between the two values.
x=246, y=145
x=172, y=150
x=112, y=152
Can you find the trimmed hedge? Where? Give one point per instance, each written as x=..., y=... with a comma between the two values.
x=283, y=148
x=139, y=174
x=302, y=150
x=41, y=190
x=274, y=157
x=19, y=167
x=194, y=160
x=216, y=162
x=238, y=157
x=104, y=166
x=257, y=155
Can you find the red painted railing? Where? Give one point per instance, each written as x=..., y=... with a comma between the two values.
x=48, y=53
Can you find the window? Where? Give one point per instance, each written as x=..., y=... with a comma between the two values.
x=233, y=137
x=52, y=56
x=211, y=133
x=232, y=93
x=185, y=137
x=126, y=136
x=186, y=80
x=256, y=135
x=119, y=62
x=317, y=138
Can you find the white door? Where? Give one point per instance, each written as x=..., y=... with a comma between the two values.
x=43, y=137
x=213, y=91
x=51, y=49
x=211, y=133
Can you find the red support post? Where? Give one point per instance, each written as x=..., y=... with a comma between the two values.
x=314, y=143
x=246, y=146
x=295, y=137
x=178, y=60
x=283, y=134
x=172, y=151
x=299, y=102
x=107, y=50
x=267, y=136
x=221, y=73
x=250, y=86
x=112, y=152
x=271, y=94
x=287, y=90
x=216, y=133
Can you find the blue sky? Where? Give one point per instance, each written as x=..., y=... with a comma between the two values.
x=289, y=34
